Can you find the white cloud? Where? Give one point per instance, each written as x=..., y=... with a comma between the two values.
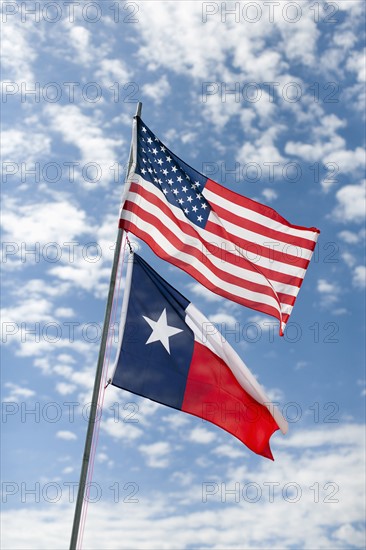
x=326, y=287
x=316, y=463
x=299, y=39
x=329, y=293
x=203, y=292
x=36, y=288
x=98, y=150
x=343, y=435
x=66, y=435
x=275, y=395
x=91, y=277
x=346, y=161
x=351, y=205
x=18, y=55
x=121, y=430
x=202, y=435
x=269, y=194
x=185, y=479
x=359, y=277
x=156, y=454
x=264, y=323
x=17, y=392
x=80, y=40
x=157, y=90
x=349, y=237
x=64, y=312
x=226, y=321
x=111, y=71
x=228, y=451
x=18, y=148
x=348, y=258
x=356, y=63
x=347, y=534
x=327, y=147
x=65, y=389
x=43, y=223
x=176, y=420
x=340, y=311
x=28, y=311
x=262, y=149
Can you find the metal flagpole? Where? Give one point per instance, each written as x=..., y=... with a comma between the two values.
x=98, y=375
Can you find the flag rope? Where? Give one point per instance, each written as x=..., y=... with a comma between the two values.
x=101, y=397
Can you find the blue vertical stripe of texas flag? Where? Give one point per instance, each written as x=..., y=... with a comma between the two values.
x=181, y=184
x=148, y=369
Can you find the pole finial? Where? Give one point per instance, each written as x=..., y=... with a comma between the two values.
x=138, y=109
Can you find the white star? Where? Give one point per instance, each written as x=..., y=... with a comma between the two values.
x=161, y=331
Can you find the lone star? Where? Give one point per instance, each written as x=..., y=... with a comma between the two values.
x=161, y=331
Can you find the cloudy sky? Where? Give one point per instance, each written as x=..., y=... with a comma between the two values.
x=266, y=98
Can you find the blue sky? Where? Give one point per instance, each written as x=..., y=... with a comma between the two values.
x=293, y=133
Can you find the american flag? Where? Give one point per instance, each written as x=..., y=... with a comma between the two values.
x=240, y=249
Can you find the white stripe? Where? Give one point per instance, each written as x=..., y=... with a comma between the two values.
x=207, y=334
x=246, y=213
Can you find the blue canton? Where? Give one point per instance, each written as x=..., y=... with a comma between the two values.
x=181, y=184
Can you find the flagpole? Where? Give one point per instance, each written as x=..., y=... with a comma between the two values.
x=98, y=375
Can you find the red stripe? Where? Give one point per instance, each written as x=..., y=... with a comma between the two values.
x=255, y=206
x=188, y=268
x=215, y=250
x=213, y=393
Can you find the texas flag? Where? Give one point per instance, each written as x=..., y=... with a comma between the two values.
x=171, y=353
